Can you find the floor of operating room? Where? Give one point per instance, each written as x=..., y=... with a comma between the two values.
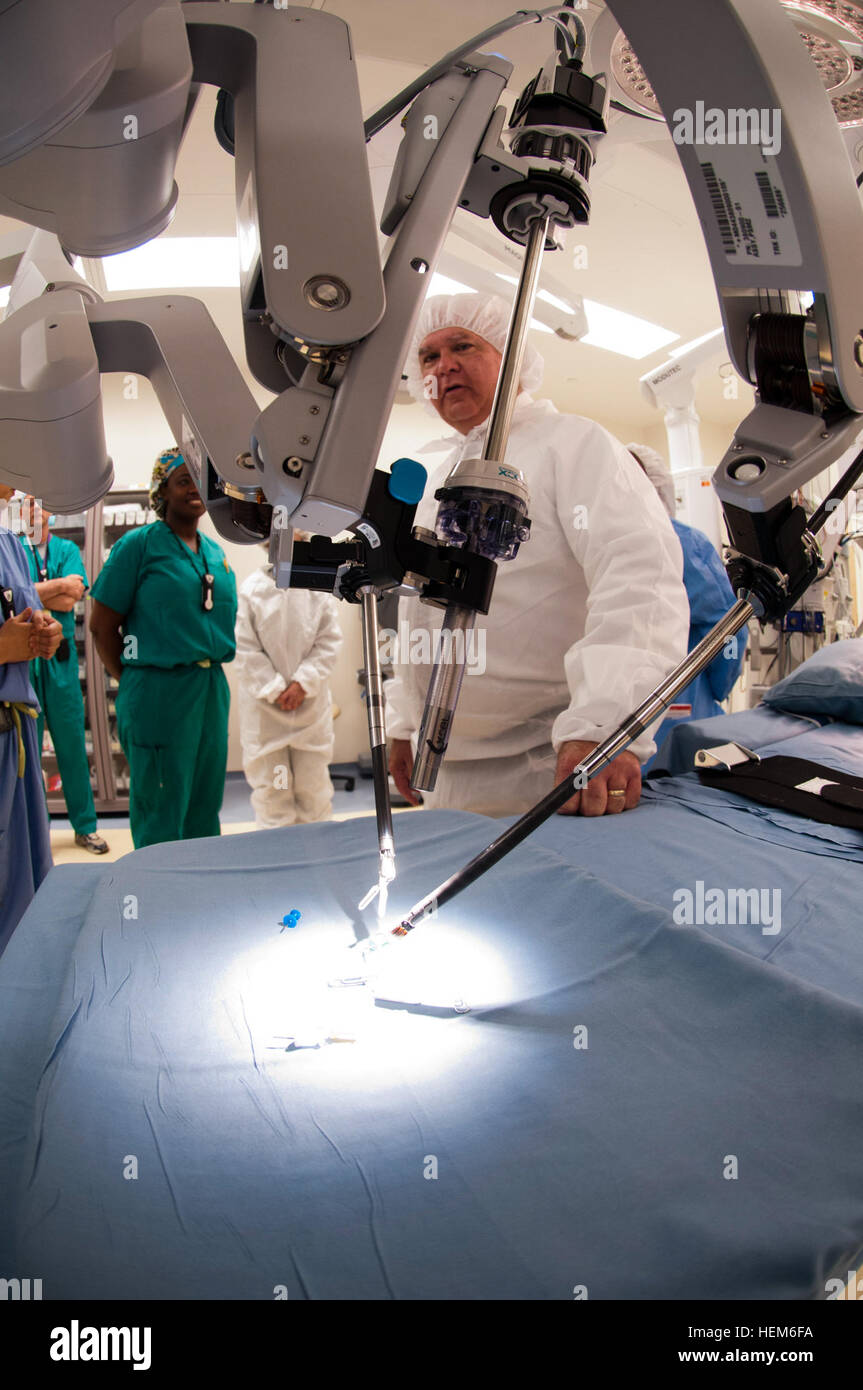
x=237, y=817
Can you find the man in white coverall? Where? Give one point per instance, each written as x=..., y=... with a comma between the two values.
x=287, y=643
x=584, y=622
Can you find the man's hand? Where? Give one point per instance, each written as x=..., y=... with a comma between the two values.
x=623, y=774
x=291, y=698
x=15, y=638
x=61, y=595
x=401, y=767
x=46, y=634
x=74, y=587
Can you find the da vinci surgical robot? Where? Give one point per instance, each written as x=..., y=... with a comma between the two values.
x=94, y=99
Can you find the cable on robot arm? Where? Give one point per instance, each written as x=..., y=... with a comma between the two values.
x=396, y=104
x=576, y=43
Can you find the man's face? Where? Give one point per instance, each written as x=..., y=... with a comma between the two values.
x=460, y=372
x=36, y=519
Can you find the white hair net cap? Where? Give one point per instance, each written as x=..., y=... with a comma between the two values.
x=487, y=315
x=659, y=474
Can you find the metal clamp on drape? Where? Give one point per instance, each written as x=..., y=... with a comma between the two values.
x=795, y=785
x=724, y=757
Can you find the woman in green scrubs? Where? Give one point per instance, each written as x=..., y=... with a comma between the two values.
x=163, y=618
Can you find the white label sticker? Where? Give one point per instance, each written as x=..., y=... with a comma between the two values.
x=370, y=534
x=815, y=784
x=750, y=205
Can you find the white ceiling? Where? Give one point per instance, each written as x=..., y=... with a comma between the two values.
x=644, y=248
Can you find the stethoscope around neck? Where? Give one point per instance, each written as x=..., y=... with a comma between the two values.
x=208, y=581
x=41, y=565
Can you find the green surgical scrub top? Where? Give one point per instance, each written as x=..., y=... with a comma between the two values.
x=154, y=580
x=62, y=558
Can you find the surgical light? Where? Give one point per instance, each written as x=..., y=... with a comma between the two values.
x=832, y=31
x=540, y=294
x=611, y=329
x=696, y=342
x=617, y=331
x=442, y=284
x=174, y=263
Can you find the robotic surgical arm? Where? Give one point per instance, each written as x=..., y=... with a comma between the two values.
x=327, y=326
x=88, y=151
x=783, y=225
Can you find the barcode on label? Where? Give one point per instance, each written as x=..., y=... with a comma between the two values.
x=767, y=197
x=719, y=207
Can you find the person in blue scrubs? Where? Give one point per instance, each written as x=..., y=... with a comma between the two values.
x=710, y=597
x=164, y=609
x=26, y=632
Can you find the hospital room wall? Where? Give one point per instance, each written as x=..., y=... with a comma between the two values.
x=136, y=432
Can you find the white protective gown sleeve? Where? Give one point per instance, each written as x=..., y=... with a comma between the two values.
x=284, y=636
x=587, y=619
x=260, y=678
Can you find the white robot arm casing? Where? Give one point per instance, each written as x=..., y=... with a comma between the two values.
x=51, y=405
x=72, y=48
x=105, y=182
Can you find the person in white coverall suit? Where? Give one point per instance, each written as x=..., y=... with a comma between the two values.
x=584, y=622
x=287, y=643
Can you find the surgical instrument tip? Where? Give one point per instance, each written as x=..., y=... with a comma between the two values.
x=427, y=908
x=378, y=746
x=387, y=859
x=370, y=896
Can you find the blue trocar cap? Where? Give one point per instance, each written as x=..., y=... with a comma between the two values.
x=407, y=480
